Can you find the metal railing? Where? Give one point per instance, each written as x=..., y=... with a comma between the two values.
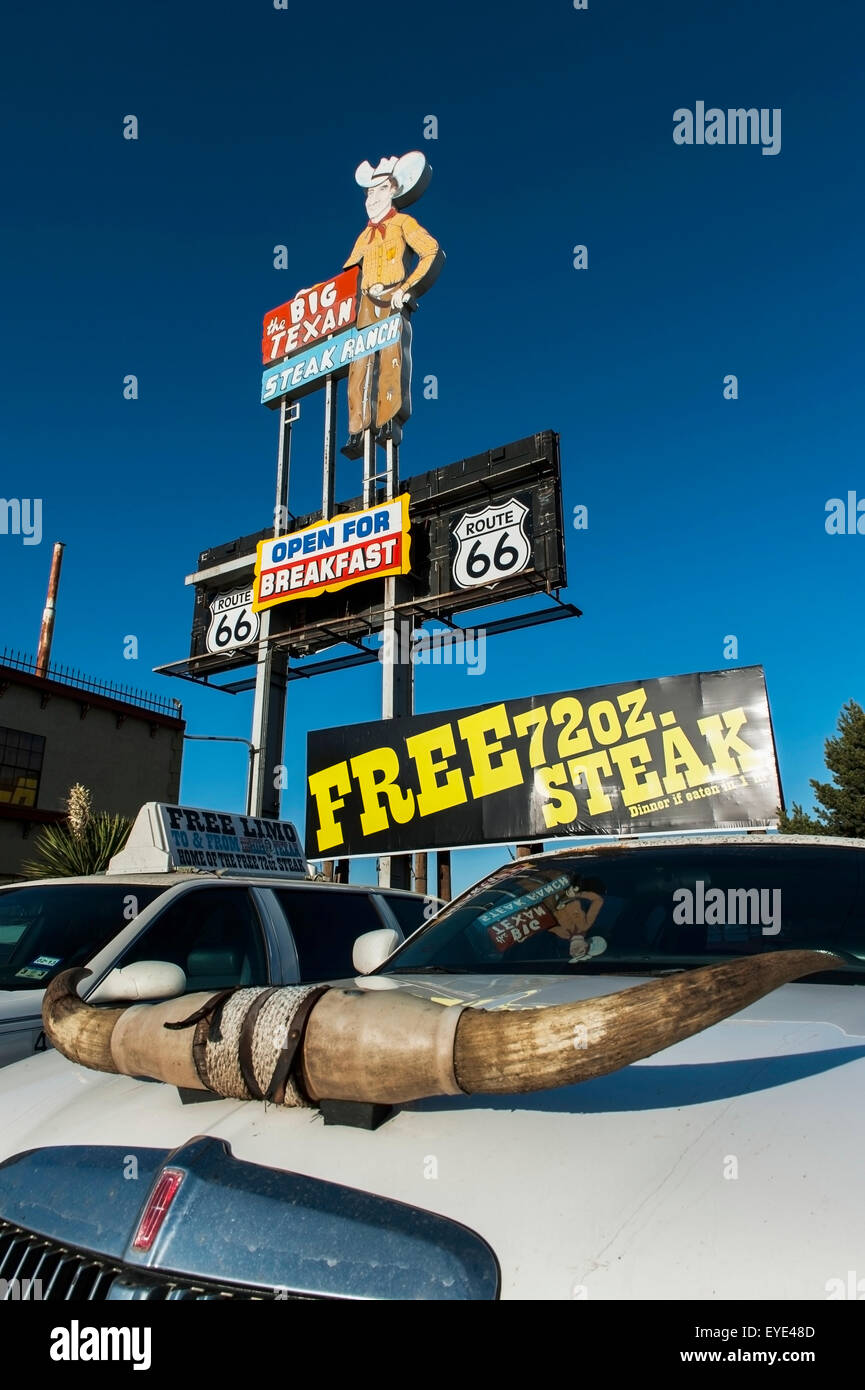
x=67, y=675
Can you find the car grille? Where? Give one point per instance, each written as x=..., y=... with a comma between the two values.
x=34, y=1267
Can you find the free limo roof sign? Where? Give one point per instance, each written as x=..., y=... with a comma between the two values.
x=166, y=837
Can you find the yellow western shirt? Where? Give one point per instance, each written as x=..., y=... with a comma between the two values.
x=381, y=250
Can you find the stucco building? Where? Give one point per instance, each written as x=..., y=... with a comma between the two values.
x=126, y=746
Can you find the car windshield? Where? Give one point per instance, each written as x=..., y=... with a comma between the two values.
x=650, y=909
x=52, y=927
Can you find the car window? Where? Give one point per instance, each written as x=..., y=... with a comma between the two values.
x=665, y=907
x=52, y=927
x=326, y=925
x=409, y=912
x=213, y=934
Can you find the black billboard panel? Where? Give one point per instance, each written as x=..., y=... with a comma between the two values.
x=675, y=753
x=483, y=530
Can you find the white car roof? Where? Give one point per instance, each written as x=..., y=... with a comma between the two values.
x=170, y=880
x=757, y=838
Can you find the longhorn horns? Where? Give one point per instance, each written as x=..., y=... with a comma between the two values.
x=390, y=1046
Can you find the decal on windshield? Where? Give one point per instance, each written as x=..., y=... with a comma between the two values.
x=510, y=931
x=563, y=906
x=29, y=973
x=507, y=909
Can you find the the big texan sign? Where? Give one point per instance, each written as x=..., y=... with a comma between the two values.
x=357, y=324
x=677, y=753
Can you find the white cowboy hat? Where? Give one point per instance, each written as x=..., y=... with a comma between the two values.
x=411, y=172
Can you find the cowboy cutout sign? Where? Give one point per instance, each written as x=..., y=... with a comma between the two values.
x=399, y=261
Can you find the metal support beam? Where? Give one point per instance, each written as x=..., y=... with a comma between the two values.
x=329, y=448
x=271, y=670
x=420, y=872
x=268, y=726
x=181, y=669
x=283, y=468
x=397, y=676
x=368, y=467
x=443, y=875
x=391, y=454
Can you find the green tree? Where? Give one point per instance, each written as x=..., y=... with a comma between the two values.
x=841, y=802
x=798, y=822
x=83, y=844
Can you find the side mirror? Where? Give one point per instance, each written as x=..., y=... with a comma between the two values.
x=374, y=947
x=146, y=979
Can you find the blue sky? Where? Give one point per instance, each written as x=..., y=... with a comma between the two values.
x=155, y=257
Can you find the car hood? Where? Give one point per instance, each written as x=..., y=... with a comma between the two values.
x=20, y=1003
x=726, y=1166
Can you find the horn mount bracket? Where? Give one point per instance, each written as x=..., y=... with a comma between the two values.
x=356, y=1114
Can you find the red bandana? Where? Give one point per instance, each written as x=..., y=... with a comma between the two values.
x=379, y=226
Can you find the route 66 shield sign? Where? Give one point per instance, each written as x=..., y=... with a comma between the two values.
x=491, y=544
x=232, y=622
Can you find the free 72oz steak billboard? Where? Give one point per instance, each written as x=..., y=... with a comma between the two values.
x=677, y=753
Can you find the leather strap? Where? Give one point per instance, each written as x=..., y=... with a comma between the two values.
x=287, y=1058
x=205, y=1011
x=245, y=1041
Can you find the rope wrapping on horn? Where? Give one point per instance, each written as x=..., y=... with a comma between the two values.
x=247, y=1045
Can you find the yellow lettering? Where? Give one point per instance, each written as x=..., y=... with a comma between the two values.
x=678, y=748
x=433, y=794
x=562, y=810
x=321, y=784
x=385, y=762
x=523, y=722
x=589, y=768
x=632, y=703
x=631, y=760
x=731, y=754
x=604, y=710
x=487, y=778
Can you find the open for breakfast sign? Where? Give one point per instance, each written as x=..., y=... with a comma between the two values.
x=346, y=549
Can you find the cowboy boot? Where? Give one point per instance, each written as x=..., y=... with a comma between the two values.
x=391, y=429
x=353, y=447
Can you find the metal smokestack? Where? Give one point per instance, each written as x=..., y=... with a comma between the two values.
x=46, y=634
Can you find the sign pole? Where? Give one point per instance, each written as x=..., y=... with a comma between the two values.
x=420, y=872
x=443, y=875
x=368, y=467
x=271, y=670
x=397, y=674
x=329, y=449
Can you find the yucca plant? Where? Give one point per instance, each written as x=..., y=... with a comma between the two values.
x=83, y=845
